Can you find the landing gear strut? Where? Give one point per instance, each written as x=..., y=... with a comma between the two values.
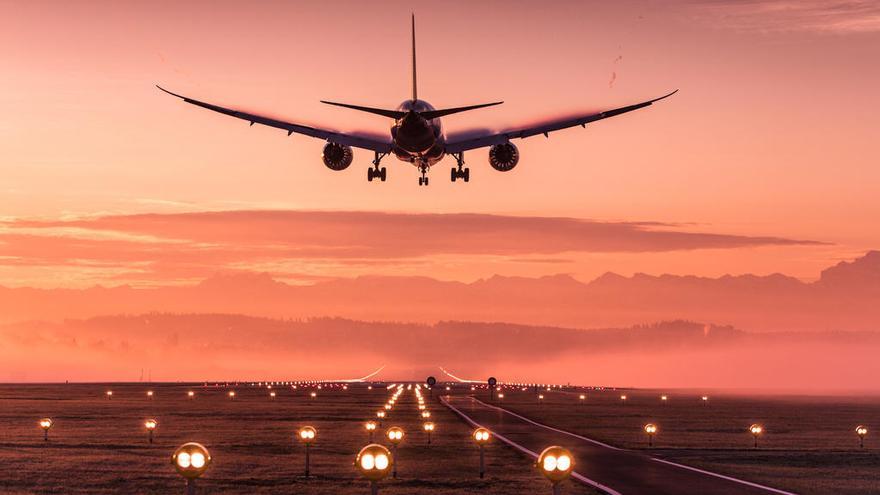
x=423, y=180
x=461, y=172
x=375, y=171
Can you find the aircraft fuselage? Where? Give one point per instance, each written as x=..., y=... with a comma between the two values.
x=418, y=140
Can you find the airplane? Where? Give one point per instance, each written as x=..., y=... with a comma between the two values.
x=417, y=135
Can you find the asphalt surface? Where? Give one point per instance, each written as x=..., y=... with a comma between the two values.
x=607, y=468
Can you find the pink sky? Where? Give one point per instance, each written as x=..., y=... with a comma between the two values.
x=773, y=134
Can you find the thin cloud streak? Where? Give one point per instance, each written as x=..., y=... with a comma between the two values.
x=838, y=17
x=189, y=245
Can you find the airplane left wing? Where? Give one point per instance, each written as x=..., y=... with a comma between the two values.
x=363, y=142
x=489, y=139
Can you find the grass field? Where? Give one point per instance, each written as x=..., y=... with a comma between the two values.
x=809, y=444
x=100, y=446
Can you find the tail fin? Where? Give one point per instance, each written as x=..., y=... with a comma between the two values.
x=415, y=93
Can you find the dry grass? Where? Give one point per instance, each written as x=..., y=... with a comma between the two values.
x=809, y=445
x=100, y=446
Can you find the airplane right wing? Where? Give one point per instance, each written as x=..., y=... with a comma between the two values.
x=368, y=143
x=489, y=139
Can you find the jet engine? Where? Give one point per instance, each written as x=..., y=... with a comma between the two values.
x=503, y=157
x=337, y=156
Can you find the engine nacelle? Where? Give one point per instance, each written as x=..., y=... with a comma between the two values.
x=503, y=157
x=337, y=156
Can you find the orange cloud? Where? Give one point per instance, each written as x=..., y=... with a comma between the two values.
x=162, y=247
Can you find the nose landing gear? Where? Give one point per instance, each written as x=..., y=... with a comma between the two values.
x=461, y=172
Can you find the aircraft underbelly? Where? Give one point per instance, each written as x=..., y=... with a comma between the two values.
x=430, y=157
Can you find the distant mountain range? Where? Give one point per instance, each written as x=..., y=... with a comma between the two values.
x=846, y=297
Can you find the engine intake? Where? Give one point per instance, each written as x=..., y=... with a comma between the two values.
x=503, y=157
x=337, y=156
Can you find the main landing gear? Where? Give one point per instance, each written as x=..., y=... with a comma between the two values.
x=375, y=172
x=461, y=172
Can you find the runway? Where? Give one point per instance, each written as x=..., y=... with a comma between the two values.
x=609, y=469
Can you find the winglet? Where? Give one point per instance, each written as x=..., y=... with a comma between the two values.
x=664, y=96
x=170, y=93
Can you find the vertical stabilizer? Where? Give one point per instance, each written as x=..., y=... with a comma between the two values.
x=415, y=93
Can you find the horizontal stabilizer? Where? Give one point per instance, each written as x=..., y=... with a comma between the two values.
x=397, y=114
x=433, y=114
x=393, y=114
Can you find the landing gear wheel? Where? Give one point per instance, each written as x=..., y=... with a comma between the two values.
x=421, y=181
x=426, y=181
x=375, y=171
x=460, y=173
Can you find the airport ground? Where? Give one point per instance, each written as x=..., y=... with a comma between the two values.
x=99, y=445
x=808, y=446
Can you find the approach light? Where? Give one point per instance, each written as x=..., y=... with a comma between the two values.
x=307, y=435
x=150, y=425
x=191, y=460
x=373, y=462
x=481, y=436
x=555, y=463
x=861, y=431
x=45, y=424
x=429, y=428
x=395, y=435
x=756, y=430
x=651, y=430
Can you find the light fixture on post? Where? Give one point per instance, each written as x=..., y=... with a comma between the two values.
x=191, y=461
x=481, y=438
